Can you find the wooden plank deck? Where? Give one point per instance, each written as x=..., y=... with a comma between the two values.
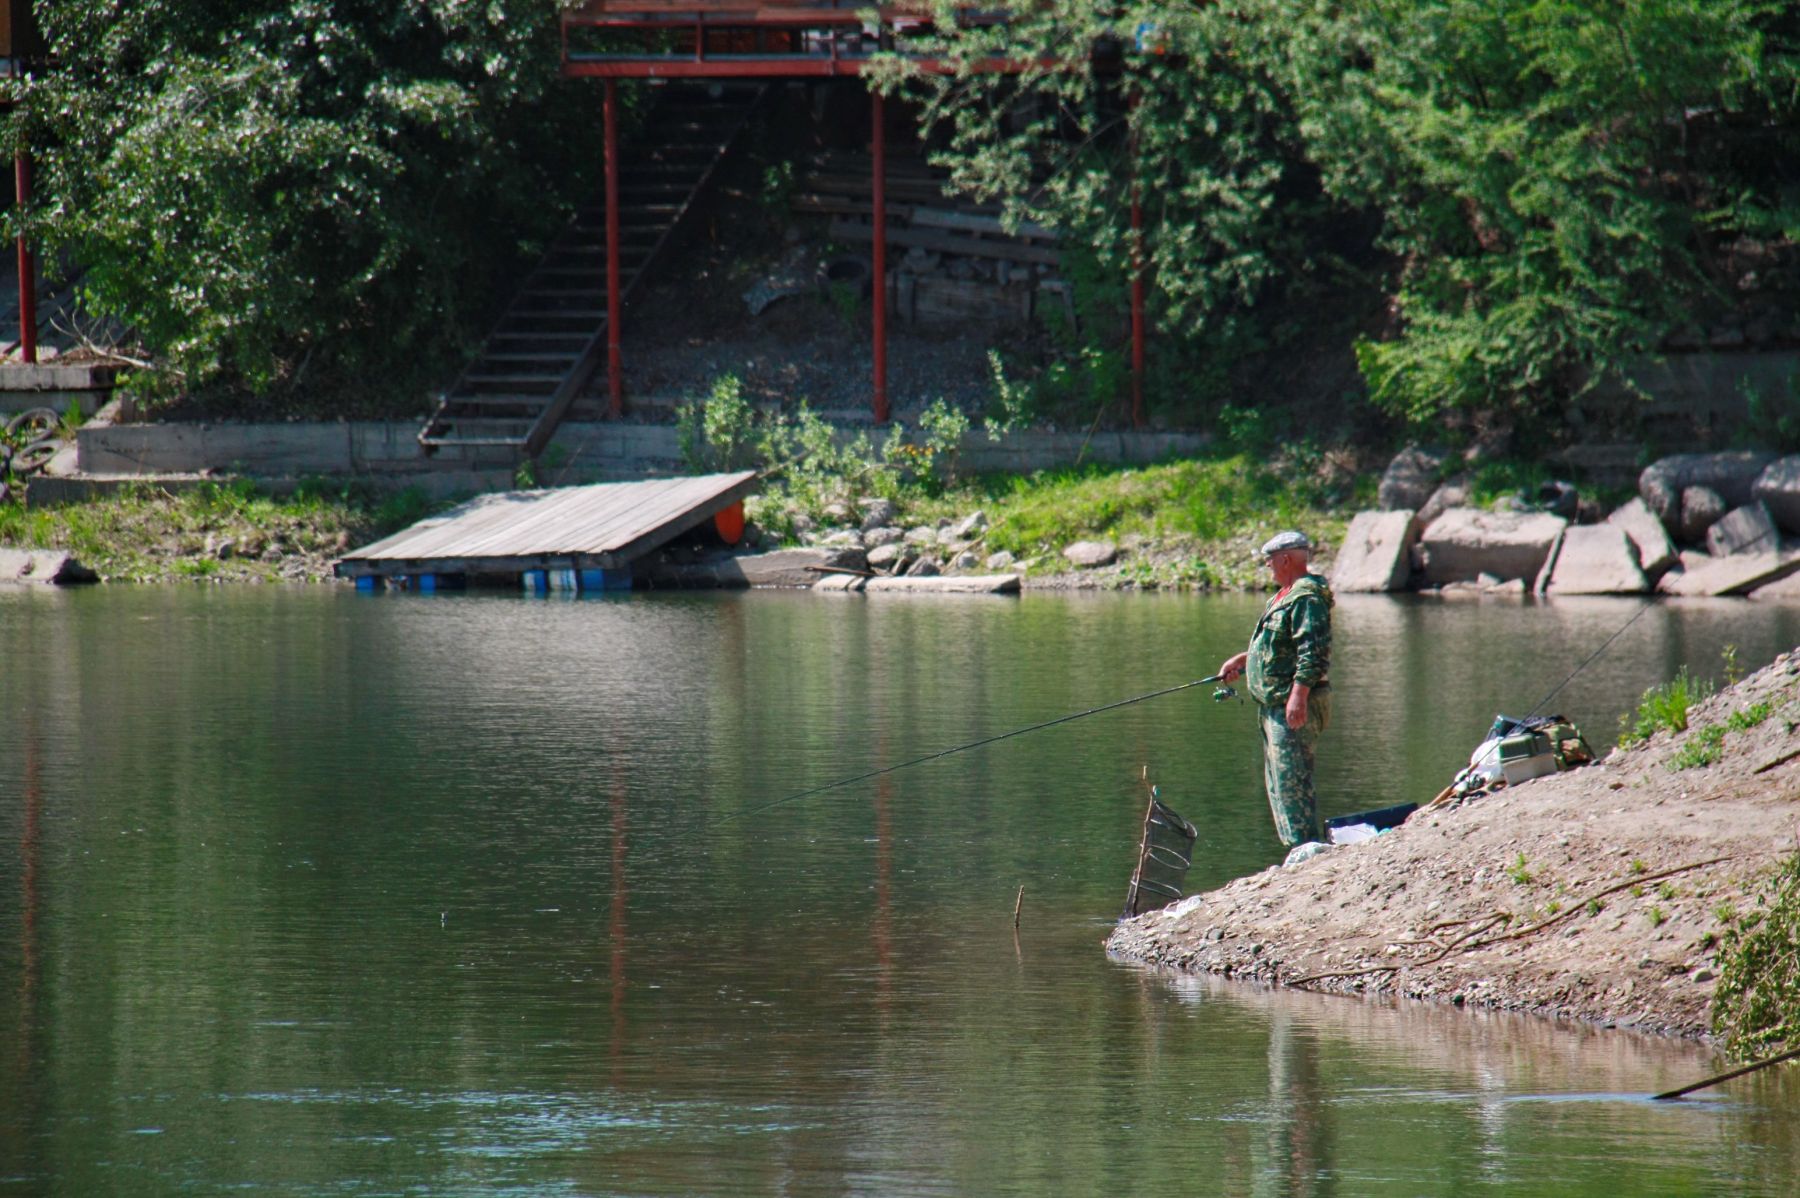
x=603, y=526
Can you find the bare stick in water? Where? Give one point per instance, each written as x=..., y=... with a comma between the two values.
x=1789, y=1055
x=1017, y=904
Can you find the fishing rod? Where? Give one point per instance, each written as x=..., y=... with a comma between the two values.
x=1223, y=693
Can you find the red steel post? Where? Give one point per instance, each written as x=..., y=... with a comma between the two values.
x=615, y=367
x=1137, y=292
x=879, y=149
x=27, y=267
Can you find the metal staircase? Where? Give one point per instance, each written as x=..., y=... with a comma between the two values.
x=508, y=402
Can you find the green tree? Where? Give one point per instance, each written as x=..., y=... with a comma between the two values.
x=1552, y=180
x=1194, y=124
x=282, y=193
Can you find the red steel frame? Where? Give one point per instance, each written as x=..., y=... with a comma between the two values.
x=615, y=367
x=696, y=19
x=27, y=263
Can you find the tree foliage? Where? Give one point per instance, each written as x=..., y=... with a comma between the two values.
x=276, y=192
x=1552, y=179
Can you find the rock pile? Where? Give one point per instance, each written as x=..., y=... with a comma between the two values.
x=869, y=530
x=1701, y=524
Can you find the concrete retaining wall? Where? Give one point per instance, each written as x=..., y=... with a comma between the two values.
x=582, y=452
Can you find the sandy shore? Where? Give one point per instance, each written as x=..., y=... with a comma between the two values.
x=1596, y=895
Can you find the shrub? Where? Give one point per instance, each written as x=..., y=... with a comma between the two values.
x=1756, y=1007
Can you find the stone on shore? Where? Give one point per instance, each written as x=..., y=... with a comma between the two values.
x=1376, y=554
x=998, y=561
x=878, y=513
x=1465, y=543
x=1732, y=475
x=883, y=557
x=1778, y=487
x=925, y=567
x=1748, y=529
x=924, y=534
x=42, y=567
x=969, y=527
x=1596, y=559
x=875, y=538
x=1090, y=554
x=1655, y=552
x=1701, y=508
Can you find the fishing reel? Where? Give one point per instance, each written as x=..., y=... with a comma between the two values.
x=1226, y=692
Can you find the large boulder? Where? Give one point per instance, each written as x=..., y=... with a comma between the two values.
x=1596, y=559
x=1376, y=554
x=1409, y=480
x=1732, y=475
x=1701, y=508
x=1453, y=492
x=1464, y=543
x=1748, y=529
x=1778, y=486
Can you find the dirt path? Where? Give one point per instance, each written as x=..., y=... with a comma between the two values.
x=1595, y=895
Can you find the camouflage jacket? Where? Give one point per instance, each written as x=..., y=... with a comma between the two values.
x=1292, y=642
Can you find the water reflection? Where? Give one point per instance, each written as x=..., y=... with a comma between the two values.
x=310, y=893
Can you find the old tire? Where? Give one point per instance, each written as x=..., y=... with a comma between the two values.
x=36, y=456
x=33, y=424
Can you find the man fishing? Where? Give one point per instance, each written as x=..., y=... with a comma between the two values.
x=1286, y=670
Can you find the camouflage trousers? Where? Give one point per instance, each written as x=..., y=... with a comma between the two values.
x=1288, y=767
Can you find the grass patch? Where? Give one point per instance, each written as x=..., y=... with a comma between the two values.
x=1703, y=748
x=1214, y=512
x=227, y=530
x=1663, y=708
x=1707, y=746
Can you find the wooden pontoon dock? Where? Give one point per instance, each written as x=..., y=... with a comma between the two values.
x=563, y=538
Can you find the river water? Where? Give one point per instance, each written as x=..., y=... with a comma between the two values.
x=309, y=893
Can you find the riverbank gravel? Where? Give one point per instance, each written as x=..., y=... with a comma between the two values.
x=1597, y=895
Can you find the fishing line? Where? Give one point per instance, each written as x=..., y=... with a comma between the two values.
x=1604, y=645
x=1539, y=706
x=964, y=748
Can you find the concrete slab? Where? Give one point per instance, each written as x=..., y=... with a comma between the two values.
x=841, y=584
x=1376, y=554
x=1739, y=574
x=779, y=568
x=1596, y=559
x=1655, y=551
x=1464, y=543
x=1748, y=529
x=1782, y=590
x=946, y=584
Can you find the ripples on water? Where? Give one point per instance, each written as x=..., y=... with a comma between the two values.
x=306, y=893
